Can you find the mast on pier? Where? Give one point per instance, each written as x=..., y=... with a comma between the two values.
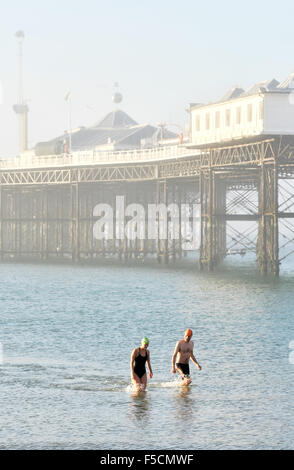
x=21, y=108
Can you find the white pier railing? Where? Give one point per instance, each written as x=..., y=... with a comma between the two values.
x=97, y=157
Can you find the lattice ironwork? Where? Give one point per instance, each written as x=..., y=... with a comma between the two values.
x=241, y=238
x=187, y=168
x=286, y=218
x=36, y=177
x=242, y=202
x=286, y=196
x=286, y=236
x=243, y=154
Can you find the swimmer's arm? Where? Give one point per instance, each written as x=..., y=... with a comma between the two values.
x=149, y=365
x=133, y=355
x=193, y=358
x=177, y=348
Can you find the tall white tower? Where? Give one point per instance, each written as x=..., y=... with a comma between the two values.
x=21, y=108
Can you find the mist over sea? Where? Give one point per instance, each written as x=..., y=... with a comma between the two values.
x=67, y=333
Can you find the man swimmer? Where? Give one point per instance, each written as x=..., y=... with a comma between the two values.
x=184, y=352
x=139, y=358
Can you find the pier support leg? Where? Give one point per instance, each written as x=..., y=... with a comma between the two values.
x=126, y=237
x=220, y=221
x=268, y=230
x=162, y=244
x=75, y=222
x=261, y=246
x=180, y=220
x=1, y=222
x=44, y=230
x=207, y=220
x=212, y=192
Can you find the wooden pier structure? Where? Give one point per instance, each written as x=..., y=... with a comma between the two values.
x=46, y=203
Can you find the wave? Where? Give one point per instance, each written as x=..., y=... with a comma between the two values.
x=150, y=385
x=48, y=373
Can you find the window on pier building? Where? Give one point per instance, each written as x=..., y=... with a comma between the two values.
x=197, y=123
x=238, y=115
x=228, y=117
x=260, y=110
x=207, y=120
x=249, y=112
x=217, y=119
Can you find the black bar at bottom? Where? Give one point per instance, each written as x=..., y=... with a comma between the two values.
x=135, y=459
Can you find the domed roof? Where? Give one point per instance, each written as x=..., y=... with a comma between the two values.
x=116, y=119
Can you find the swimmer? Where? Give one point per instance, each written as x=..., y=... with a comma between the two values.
x=184, y=352
x=139, y=358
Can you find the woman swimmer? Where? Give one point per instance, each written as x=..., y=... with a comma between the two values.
x=139, y=358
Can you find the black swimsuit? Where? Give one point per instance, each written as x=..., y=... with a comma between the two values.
x=140, y=362
x=184, y=368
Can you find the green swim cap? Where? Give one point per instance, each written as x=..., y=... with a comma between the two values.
x=145, y=340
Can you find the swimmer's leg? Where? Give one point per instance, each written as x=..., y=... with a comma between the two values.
x=186, y=380
x=136, y=382
x=143, y=382
x=181, y=372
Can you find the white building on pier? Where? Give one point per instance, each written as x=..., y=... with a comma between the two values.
x=267, y=108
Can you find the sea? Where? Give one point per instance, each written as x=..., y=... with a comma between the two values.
x=66, y=337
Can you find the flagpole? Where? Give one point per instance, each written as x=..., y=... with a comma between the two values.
x=68, y=100
x=70, y=128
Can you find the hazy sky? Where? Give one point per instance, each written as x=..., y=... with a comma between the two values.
x=164, y=54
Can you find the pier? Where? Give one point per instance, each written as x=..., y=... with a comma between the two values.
x=46, y=203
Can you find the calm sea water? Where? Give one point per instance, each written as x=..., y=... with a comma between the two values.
x=68, y=331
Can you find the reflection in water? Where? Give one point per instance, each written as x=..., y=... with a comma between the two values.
x=184, y=391
x=184, y=403
x=139, y=406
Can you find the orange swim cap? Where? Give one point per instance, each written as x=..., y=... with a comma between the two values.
x=188, y=332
